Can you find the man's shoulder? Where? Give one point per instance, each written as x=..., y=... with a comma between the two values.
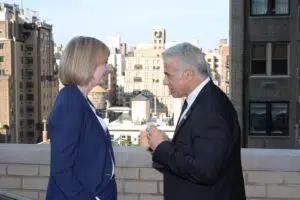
x=216, y=102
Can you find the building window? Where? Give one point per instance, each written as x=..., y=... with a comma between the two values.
x=29, y=48
x=29, y=73
x=279, y=59
x=227, y=61
x=29, y=109
x=137, y=79
x=269, y=59
x=29, y=97
x=227, y=89
x=30, y=122
x=258, y=59
x=138, y=66
x=269, y=7
x=1, y=45
x=29, y=85
x=29, y=60
x=227, y=76
x=269, y=119
x=30, y=134
x=1, y=58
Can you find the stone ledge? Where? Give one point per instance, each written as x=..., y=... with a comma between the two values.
x=10, y=196
x=271, y=159
x=138, y=157
x=24, y=154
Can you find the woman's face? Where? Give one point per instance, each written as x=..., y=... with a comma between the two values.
x=101, y=70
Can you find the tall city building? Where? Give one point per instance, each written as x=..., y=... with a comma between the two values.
x=218, y=60
x=117, y=61
x=264, y=48
x=58, y=50
x=144, y=74
x=28, y=80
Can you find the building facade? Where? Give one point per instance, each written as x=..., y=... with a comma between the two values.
x=144, y=73
x=264, y=48
x=117, y=61
x=218, y=60
x=28, y=80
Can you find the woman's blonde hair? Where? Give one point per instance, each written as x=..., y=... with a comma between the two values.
x=79, y=60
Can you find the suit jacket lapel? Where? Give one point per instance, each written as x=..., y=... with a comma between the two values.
x=184, y=118
x=195, y=103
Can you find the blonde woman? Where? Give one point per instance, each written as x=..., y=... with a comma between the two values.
x=82, y=160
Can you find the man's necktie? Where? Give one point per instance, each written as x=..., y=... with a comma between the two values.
x=184, y=106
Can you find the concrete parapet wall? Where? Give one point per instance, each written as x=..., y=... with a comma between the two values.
x=269, y=173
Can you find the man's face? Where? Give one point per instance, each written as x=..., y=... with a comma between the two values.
x=174, y=79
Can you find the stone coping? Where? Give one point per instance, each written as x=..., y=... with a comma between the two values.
x=10, y=196
x=252, y=159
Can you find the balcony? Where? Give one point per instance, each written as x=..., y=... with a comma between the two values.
x=269, y=173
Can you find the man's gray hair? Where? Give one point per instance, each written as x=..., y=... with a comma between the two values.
x=188, y=56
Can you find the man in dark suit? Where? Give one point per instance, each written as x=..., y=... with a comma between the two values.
x=203, y=160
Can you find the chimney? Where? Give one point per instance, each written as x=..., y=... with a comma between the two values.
x=45, y=132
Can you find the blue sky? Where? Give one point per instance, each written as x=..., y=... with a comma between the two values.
x=133, y=20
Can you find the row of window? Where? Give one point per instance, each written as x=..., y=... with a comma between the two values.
x=159, y=47
x=269, y=119
x=26, y=136
x=29, y=85
x=214, y=59
x=29, y=110
x=157, y=41
x=29, y=122
x=269, y=59
x=270, y=7
x=29, y=48
x=139, y=79
x=146, y=61
x=140, y=67
x=29, y=97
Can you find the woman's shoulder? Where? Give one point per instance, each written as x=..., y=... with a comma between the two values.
x=69, y=95
x=68, y=101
